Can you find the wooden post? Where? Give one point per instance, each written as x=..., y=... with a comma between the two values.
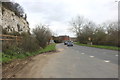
x=16, y=39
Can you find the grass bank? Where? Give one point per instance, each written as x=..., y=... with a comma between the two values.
x=99, y=46
x=6, y=57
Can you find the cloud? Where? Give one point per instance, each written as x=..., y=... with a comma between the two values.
x=51, y=10
x=58, y=13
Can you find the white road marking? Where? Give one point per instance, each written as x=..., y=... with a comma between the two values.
x=106, y=61
x=92, y=56
x=116, y=55
x=82, y=53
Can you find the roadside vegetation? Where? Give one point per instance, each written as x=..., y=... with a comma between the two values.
x=99, y=46
x=31, y=44
x=90, y=34
x=7, y=57
x=36, y=42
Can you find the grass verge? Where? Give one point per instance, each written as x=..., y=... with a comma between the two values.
x=99, y=46
x=6, y=57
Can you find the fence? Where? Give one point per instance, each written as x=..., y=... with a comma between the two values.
x=10, y=38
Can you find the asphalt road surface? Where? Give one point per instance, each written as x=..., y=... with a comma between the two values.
x=73, y=62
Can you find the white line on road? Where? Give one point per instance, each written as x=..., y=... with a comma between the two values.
x=116, y=55
x=92, y=56
x=82, y=53
x=106, y=61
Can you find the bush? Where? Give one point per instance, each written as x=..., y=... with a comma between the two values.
x=50, y=47
x=43, y=35
x=6, y=45
x=4, y=31
x=29, y=43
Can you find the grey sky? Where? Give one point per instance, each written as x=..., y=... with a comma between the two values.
x=57, y=13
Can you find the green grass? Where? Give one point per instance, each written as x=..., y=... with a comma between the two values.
x=99, y=46
x=48, y=48
x=6, y=57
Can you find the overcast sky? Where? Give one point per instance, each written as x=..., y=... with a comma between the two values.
x=58, y=13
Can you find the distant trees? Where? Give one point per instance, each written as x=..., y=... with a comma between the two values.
x=87, y=31
x=112, y=33
x=83, y=28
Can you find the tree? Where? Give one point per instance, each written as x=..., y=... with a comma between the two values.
x=83, y=28
x=103, y=34
x=112, y=33
x=99, y=35
x=42, y=34
x=77, y=24
x=15, y=7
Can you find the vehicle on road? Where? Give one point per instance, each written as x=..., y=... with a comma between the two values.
x=69, y=44
x=65, y=43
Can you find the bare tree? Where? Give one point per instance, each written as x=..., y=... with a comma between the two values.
x=103, y=34
x=42, y=34
x=77, y=24
x=83, y=28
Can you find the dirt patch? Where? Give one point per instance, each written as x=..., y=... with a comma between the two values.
x=9, y=70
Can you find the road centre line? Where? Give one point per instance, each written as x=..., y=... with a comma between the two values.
x=82, y=53
x=106, y=61
x=92, y=56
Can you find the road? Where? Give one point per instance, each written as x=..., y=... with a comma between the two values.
x=73, y=62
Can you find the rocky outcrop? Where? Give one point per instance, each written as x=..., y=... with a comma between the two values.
x=11, y=22
x=0, y=16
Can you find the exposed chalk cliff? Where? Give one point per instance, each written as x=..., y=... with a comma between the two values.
x=11, y=22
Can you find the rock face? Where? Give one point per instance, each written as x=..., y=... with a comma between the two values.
x=0, y=17
x=12, y=22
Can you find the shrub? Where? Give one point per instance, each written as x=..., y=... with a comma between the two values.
x=29, y=43
x=43, y=35
x=4, y=31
